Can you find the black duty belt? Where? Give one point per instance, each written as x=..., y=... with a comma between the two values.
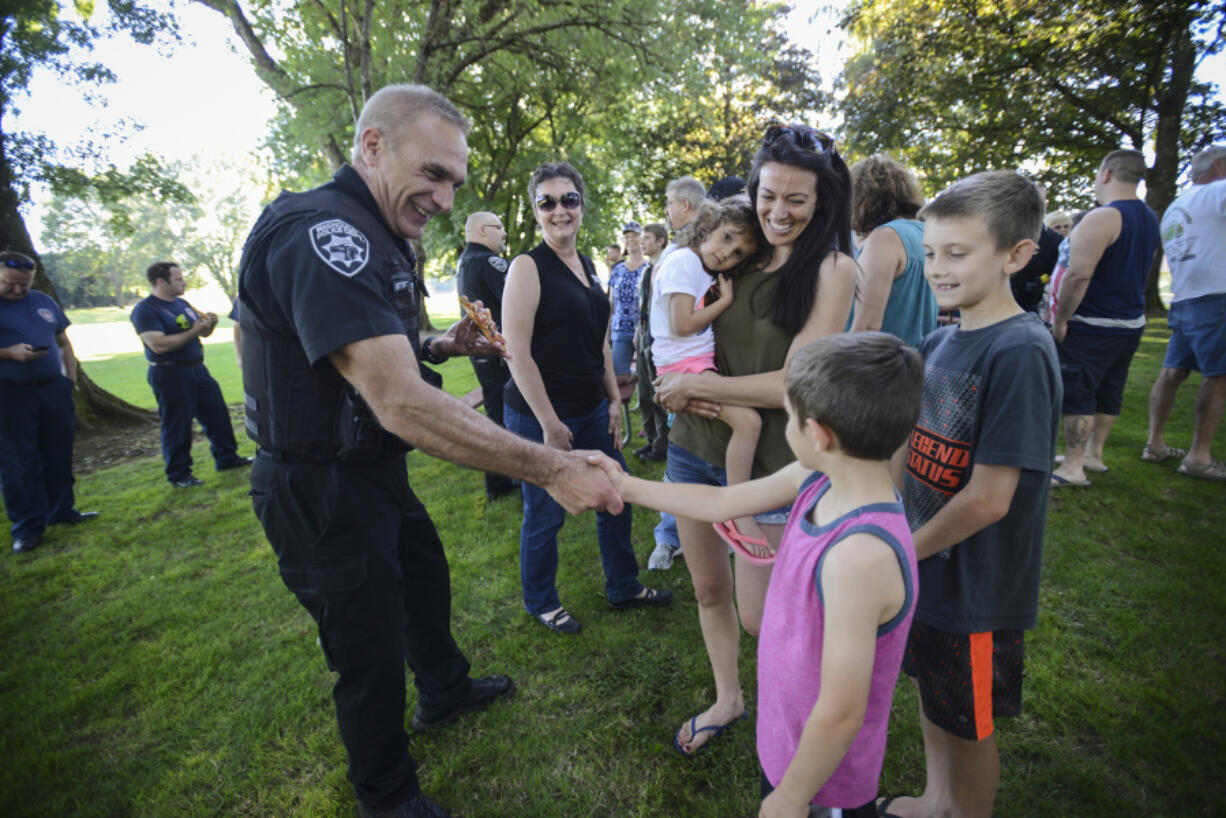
x=280, y=456
x=40, y=382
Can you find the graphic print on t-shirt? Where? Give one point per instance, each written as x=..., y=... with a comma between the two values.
x=939, y=448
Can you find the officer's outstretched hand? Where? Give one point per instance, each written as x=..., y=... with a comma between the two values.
x=582, y=484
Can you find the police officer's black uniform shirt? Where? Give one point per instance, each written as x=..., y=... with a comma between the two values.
x=322, y=281
x=483, y=274
x=321, y=270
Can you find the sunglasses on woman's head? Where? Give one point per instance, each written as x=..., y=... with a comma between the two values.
x=19, y=263
x=810, y=139
x=546, y=203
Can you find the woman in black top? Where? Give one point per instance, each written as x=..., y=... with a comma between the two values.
x=563, y=392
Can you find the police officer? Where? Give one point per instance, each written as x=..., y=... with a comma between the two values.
x=171, y=329
x=482, y=275
x=329, y=303
x=37, y=419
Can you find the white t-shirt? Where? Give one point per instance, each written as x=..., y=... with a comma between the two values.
x=681, y=272
x=1194, y=238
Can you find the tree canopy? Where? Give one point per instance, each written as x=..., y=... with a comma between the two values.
x=955, y=86
x=631, y=92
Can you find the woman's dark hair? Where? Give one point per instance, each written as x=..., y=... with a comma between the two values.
x=883, y=189
x=828, y=231
x=554, y=170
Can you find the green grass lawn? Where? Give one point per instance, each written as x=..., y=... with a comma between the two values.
x=154, y=665
x=98, y=315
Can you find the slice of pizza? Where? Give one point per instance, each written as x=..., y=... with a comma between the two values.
x=484, y=321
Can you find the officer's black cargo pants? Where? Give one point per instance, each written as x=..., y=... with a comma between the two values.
x=358, y=549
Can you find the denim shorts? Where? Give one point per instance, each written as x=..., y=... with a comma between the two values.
x=1198, y=335
x=686, y=467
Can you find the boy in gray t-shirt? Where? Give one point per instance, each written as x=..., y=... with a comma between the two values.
x=976, y=475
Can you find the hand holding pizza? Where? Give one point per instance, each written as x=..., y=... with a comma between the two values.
x=481, y=317
x=475, y=334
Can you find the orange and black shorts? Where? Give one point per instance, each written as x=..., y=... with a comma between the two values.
x=966, y=679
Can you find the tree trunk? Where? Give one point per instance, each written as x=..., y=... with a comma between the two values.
x=1160, y=181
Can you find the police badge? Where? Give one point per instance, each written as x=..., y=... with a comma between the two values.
x=341, y=246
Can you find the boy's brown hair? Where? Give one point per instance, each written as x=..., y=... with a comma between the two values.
x=1009, y=204
x=866, y=386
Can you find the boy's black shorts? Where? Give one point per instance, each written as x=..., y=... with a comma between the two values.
x=966, y=679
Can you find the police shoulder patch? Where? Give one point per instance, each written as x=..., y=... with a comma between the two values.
x=46, y=314
x=498, y=263
x=341, y=246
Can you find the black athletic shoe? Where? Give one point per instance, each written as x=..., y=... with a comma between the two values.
x=236, y=463
x=187, y=482
x=73, y=517
x=419, y=806
x=24, y=545
x=481, y=694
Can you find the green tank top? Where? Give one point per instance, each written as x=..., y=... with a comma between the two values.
x=747, y=342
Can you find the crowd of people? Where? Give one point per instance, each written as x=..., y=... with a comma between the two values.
x=880, y=480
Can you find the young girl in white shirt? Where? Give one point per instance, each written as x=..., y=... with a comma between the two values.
x=721, y=240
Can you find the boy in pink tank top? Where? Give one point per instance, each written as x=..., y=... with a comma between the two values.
x=844, y=584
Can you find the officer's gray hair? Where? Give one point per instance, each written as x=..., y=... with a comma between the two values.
x=390, y=110
x=1202, y=163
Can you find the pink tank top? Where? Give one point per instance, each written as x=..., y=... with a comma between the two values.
x=790, y=647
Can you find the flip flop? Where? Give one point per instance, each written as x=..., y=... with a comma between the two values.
x=732, y=535
x=883, y=806
x=717, y=730
x=1099, y=469
x=1060, y=482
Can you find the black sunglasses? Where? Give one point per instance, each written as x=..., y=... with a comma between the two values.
x=19, y=264
x=810, y=139
x=546, y=203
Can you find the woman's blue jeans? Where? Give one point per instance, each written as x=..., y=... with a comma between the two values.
x=543, y=518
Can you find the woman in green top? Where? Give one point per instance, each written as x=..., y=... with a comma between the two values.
x=801, y=192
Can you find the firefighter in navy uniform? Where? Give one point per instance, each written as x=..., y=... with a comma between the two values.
x=329, y=299
x=483, y=273
x=37, y=420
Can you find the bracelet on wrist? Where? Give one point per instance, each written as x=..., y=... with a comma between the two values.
x=428, y=354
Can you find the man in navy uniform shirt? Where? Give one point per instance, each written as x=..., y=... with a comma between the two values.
x=171, y=330
x=483, y=273
x=330, y=307
x=37, y=419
